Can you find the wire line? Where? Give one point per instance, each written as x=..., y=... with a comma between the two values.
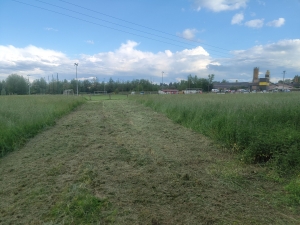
x=108, y=26
x=126, y=26
x=140, y=25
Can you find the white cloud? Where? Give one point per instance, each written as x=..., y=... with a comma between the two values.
x=188, y=33
x=276, y=23
x=220, y=5
x=258, y=23
x=276, y=57
x=169, y=53
x=261, y=2
x=126, y=61
x=90, y=42
x=50, y=29
x=237, y=18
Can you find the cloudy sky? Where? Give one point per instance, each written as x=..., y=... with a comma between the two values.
x=138, y=39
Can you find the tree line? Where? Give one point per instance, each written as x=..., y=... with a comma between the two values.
x=16, y=84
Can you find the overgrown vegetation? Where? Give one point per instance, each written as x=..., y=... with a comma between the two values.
x=21, y=117
x=263, y=128
x=80, y=206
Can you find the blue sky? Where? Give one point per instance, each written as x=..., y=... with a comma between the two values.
x=138, y=39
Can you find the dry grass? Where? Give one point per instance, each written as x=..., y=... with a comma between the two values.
x=136, y=167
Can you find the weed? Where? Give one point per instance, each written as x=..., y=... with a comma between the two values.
x=293, y=189
x=263, y=128
x=79, y=206
x=22, y=117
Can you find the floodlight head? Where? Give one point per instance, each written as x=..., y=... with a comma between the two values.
x=75, y=64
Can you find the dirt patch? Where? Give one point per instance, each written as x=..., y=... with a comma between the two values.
x=143, y=169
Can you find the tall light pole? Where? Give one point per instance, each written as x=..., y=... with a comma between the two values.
x=162, y=80
x=28, y=83
x=104, y=86
x=283, y=80
x=76, y=64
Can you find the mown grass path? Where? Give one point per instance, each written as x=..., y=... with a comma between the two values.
x=118, y=162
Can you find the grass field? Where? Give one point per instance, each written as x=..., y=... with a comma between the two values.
x=21, y=117
x=119, y=162
x=105, y=97
x=262, y=128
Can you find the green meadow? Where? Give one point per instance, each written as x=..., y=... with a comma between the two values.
x=21, y=117
x=260, y=128
x=263, y=128
x=101, y=97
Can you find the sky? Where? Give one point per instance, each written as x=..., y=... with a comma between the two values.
x=149, y=39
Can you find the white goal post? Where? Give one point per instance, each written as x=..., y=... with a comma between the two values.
x=68, y=92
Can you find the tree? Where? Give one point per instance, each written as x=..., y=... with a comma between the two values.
x=38, y=86
x=296, y=79
x=210, y=81
x=224, y=81
x=287, y=81
x=16, y=84
x=2, y=87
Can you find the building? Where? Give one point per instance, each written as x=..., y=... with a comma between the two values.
x=255, y=79
x=234, y=85
x=192, y=91
x=260, y=84
x=168, y=91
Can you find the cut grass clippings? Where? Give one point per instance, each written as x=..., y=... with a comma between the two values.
x=79, y=206
x=101, y=97
x=21, y=117
x=117, y=162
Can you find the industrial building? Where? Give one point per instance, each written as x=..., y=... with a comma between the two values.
x=257, y=84
x=260, y=84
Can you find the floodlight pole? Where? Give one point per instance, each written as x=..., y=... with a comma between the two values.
x=28, y=83
x=283, y=80
x=76, y=64
x=104, y=87
x=162, y=80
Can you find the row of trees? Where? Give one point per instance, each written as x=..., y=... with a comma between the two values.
x=16, y=84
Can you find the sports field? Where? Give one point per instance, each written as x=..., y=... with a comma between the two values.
x=119, y=162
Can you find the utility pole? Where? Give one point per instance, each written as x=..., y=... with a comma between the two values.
x=57, y=83
x=283, y=80
x=162, y=80
x=45, y=86
x=52, y=85
x=28, y=83
x=104, y=86
x=76, y=64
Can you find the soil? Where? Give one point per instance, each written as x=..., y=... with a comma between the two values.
x=149, y=170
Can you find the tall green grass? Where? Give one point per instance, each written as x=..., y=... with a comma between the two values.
x=21, y=117
x=262, y=127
